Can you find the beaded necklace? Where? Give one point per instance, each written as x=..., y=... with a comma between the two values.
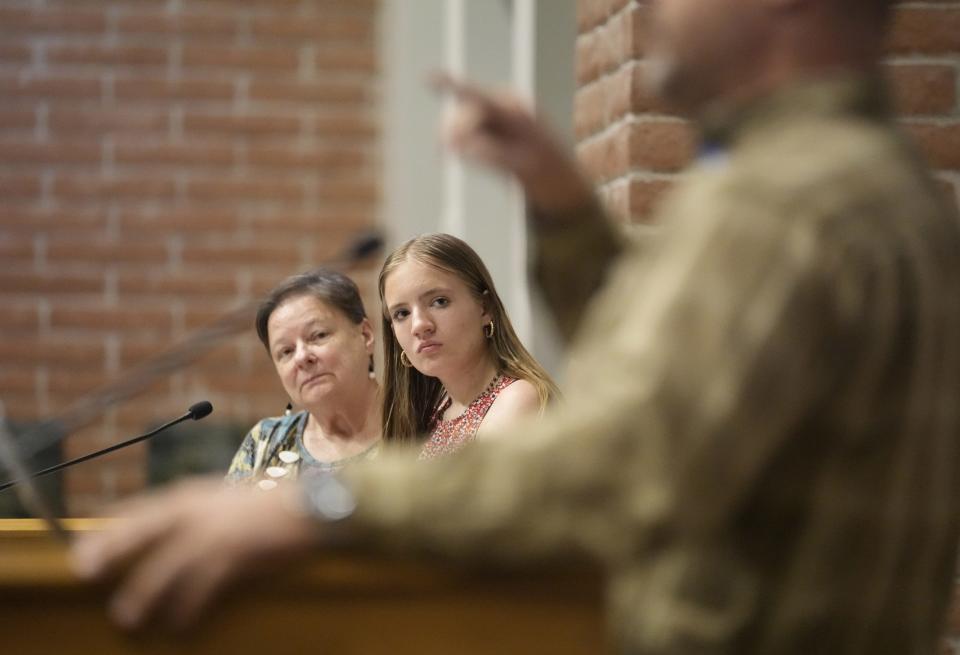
x=451, y=435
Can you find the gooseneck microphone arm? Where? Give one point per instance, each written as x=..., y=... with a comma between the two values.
x=196, y=412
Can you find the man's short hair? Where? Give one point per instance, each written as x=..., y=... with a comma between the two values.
x=874, y=11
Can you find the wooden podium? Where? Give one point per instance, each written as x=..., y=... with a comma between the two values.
x=342, y=604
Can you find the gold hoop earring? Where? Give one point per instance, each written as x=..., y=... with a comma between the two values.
x=492, y=328
x=404, y=360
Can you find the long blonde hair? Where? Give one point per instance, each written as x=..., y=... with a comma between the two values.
x=410, y=397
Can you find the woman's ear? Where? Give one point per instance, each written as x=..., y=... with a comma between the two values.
x=366, y=329
x=486, y=302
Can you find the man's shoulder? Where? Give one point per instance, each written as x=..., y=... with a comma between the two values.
x=816, y=153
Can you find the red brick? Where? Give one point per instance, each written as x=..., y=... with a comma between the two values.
x=145, y=410
x=153, y=23
x=64, y=152
x=192, y=153
x=319, y=29
x=21, y=406
x=278, y=254
x=60, y=251
x=95, y=187
x=245, y=189
x=23, y=21
x=224, y=381
x=178, y=221
x=334, y=224
x=612, y=97
x=99, y=317
x=247, y=126
x=97, y=55
x=322, y=158
x=17, y=251
x=268, y=60
x=164, y=89
x=15, y=53
x=16, y=381
x=665, y=146
x=618, y=41
x=170, y=145
x=924, y=88
x=27, y=282
x=14, y=220
x=661, y=146
x=134, y=352
x=348, y=191
x=13, y=185
x=360, y=58
x=593, y=13
x=608, y=156
x=345, y=125
x=112, y=474
x=309, y=92
x=940, y=143
x=74, y=122
x=14, y=120
x=62, y=353
x=202, y=315
x=926, y=30
x=49, y=88
x=19, y=317
x=181, y=283
x=285, y=7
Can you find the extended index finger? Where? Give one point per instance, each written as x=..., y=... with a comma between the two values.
x=444, y=82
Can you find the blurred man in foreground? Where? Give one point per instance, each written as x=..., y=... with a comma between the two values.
x=760, y=439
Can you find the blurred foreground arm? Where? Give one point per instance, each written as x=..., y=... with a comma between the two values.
x=174, y=551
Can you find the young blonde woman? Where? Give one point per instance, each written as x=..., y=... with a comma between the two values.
x=455, y=368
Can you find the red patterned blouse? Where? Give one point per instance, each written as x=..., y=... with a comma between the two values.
x=448, y=437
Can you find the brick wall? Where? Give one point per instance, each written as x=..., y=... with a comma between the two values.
x=160, y=161
x=635, y=150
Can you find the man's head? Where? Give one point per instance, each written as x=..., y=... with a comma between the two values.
x=706, y=50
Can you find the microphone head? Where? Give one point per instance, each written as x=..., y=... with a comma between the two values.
x=198, y=410
x=364, y=246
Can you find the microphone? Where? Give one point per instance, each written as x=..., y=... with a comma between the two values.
x=363, y=246
x=196, y=412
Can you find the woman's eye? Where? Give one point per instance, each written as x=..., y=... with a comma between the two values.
x=441, y=302
x=400, y=314
x=318, y=335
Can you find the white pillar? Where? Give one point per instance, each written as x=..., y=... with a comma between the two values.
x=524, y=44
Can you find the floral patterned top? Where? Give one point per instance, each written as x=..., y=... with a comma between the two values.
x=273, y=450
x=448, y=437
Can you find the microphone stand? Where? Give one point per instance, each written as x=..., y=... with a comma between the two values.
x=28, y=494
x=123, y=444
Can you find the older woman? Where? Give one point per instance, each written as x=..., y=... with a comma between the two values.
x=320, y=341
x=455, y=368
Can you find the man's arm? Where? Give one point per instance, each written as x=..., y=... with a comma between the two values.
x=724, y=342
x=575, y=243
